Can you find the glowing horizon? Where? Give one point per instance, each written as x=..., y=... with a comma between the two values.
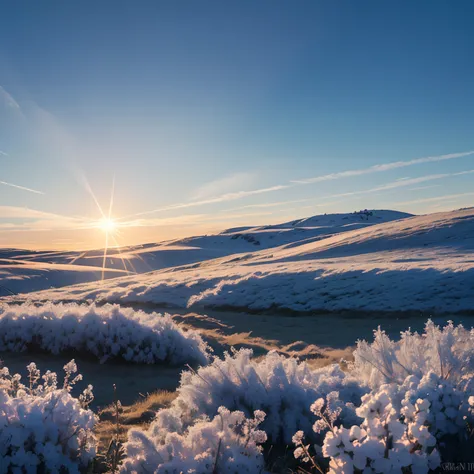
x=234, y=115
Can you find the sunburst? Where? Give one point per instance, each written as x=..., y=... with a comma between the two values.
x=110, y=227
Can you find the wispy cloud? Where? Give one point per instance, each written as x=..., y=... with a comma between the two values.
x=383, y=167
x=266, y=205
x=325, y=204
x=3, y=153
x=47, y=221
x=408, y=182
x=378, y=190
x=192, y=219
x=421, y=179
x=23, y=188
x=26, y=219
x=16, y=212
x=400, y=183
x=237, y=181
x=223, y=198
x=419, y=188
x=435, y=199
x=329, y=177
x=8, y=99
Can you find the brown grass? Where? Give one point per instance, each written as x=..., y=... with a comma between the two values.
x=140, y=414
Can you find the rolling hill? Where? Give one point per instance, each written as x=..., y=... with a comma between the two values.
x=26, y=271
x=421, y=263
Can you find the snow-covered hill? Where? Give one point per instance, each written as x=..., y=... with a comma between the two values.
x=26, y=271
x=20, y=276
x=421, y=263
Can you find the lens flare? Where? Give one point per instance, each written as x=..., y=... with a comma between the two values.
x=108, y=225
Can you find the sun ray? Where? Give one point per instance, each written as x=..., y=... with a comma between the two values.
x=122, y=258
x=111, y=205
x=144, y=262
x=82, y=254
x=88, y=188
x=104, y=261
x=108, y=226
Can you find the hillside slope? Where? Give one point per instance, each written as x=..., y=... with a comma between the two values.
x=421, y=263
x=18, y=276
x=26, y=271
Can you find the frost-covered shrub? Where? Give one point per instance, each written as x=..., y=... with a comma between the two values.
x=448, y=352
x=227, y=443
x=42, y=427
x=449, y=406
x=106, y=332
x=282, y=387
x=405, y=427
x=389, y=440
x=420, y=409
x=422, y=415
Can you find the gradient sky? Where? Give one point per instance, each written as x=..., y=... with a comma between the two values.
x=213, y=114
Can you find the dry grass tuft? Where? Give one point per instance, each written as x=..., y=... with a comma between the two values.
x=139, y=414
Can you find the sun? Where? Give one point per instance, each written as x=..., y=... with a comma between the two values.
x=107, y=225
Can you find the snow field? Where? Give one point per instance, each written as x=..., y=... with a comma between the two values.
x=427, y=259
x=27, y=271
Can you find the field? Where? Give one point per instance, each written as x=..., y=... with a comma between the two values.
x=252, y=350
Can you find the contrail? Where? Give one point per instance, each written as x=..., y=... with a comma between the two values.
x=21, y=187
x=405, y=182
x=317, y=179
x=383, y=167
x=434, y=199
x=3, y=153
x=222, y=198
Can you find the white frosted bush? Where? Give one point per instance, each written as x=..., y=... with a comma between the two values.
x=404, y=428
x=448, y=352
x=399, y=408
x=106, y=332
x=282, y=387
x=420, y=407
x=449, y=407
x=389, y=440
x=42, y=427
x=229, y=443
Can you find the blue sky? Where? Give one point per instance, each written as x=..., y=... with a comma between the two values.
x=213, y=114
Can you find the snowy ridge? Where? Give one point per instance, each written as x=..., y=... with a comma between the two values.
x=25, y=271
x=427, y=259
